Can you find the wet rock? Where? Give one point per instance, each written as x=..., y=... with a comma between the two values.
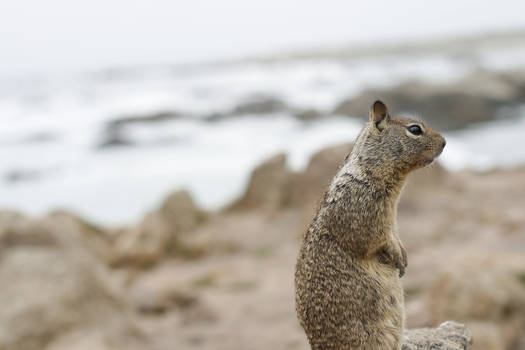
x=114, y=137
x=260, y=105
x=144, y=118
x=448, y=336
x=478, y=97
x=255, y=105
x=22, y=175
x=441, y=108
x=308, y=114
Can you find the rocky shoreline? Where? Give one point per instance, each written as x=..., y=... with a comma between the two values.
x=481, y=96
x=185, y=278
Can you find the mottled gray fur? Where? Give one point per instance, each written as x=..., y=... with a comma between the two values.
x=348, y=290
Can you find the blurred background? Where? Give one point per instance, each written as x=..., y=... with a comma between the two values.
x=162, y=159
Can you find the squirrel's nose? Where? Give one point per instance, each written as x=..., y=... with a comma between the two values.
x=443, y=142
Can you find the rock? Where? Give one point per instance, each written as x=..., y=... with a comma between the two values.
x=269, y=186
x=483, y=290
x=53, y=287
x=420, y=182
x=260, y=105
x=180, y=213
x=448, y=336
x=272, y=185
x=22, y=175
x=141, y=245
x=115, y=131
x=477, y=98
x=309, y=185
x=159, y=301
x=114, y=137
x=160, y=233
x=497, y=86
x=144, y=118
x=255, y=105
x=93, y=237
x=308, y=114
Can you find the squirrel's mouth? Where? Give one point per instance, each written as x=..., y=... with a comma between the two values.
x=433, y=157
x=428, y=161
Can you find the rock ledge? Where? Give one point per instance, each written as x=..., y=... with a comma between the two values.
x=448, y=336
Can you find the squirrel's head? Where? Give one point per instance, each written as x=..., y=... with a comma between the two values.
x=397, y=143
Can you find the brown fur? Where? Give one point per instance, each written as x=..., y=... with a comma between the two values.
x=348, y=290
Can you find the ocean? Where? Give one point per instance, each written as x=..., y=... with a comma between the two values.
x=110, y=144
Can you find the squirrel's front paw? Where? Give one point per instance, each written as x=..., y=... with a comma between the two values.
x=394, y=257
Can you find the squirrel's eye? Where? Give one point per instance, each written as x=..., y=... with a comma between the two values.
x=415, y=130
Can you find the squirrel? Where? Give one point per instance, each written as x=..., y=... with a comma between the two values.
x=347, y=278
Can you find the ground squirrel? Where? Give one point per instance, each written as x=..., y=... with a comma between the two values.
x=347, y=279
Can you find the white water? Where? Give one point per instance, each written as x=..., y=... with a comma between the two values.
x=50, y=129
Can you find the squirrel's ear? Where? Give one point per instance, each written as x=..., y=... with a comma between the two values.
x=379, y=115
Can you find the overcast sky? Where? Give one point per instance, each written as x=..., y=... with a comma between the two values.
x=52, y=35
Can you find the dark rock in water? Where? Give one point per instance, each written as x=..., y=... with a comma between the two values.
x=255, y=105
x=114, y=134
x=308, y=114
x=40, y=137
x=442, y=110
x=260, y=106
x=114, y=138
x=448, y=336
x=144, y=118
x=21, y=175
x=478, y=97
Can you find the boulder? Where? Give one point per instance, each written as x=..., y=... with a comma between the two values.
x=54, y=288
x=487, y=292
x=160, y=232
x=448, y=336
x=309, y=185
x=260, y=105
x=443, y=107
x=93, y=237
x=141, y=245
x=180, y=213
x=269, y=186
x=254, y=105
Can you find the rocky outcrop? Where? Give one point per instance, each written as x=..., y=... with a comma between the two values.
x=273, y=185
x=476, y=98
x=487, y=292
x=54, y=289
x=160, y=233
x=463, y=231
x=310, y=184
x=448, y=336
x=269, y=186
